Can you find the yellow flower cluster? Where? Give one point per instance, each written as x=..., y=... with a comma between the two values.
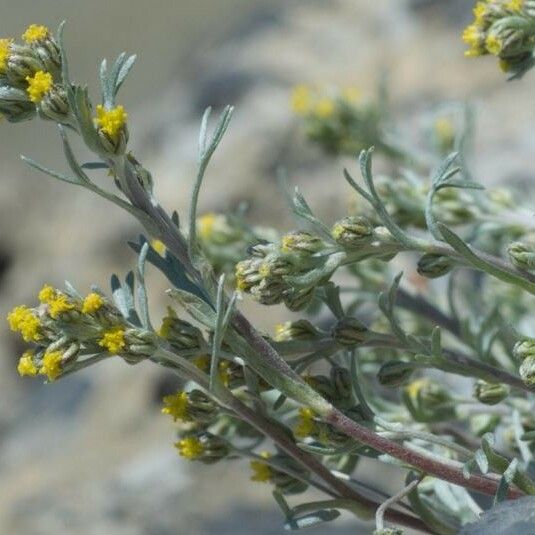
x=190, y=447
x=5, y=47
x=26, y=365
x=305, y=101
x=22, y=319
x=205, y=225
x=34, y=33
x=113, y=340
x=176, y=406
x=262, y=472
x=51, y=365
x=39, y=85
x=92, y=303
x=111, y=122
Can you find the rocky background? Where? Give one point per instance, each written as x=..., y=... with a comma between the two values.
x=91, y=454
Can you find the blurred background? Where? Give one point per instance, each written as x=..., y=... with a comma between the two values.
x=92, y=454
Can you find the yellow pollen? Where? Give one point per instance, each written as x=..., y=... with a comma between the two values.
x=324, y=108
x=92, y=302
x=39, y=85
x=202, y=362
x=47, y=294
x=111, y=122
x=261, y=471
x=113, y=340
x=22, y=319
x=176, y=406
x=158, y=246
x=190, y=447
x=305, y=424
x=301, y=99
x=59, y=305
x=26, y=365
x=205, y=225
x=51, y=365
x=493, y=44
x=5, y=47
x=35, y=32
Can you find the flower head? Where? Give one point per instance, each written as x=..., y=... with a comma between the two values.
x=190, y=447
x=113, y=340
x=23, y=320
x=5, y=48
x=59, y=304
x=515, y=5
x=35, y=32
x=493, y=44
x=47, y=294
x=92, y=303
x=26, y=365
x=176, y=406
x=261, y=471
x=51, y=365
x=111, y=122
x=305, y=424
x=39, y=85
x=301, y=99
x=324, y=108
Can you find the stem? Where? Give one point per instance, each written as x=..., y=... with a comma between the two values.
x=381, y=510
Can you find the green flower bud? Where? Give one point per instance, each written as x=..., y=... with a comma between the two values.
x=55, y=106
x=527, y=371
x=490, y=393
x=21, y=63
x=341, y=383
x=204, y=447
x=349, y=332
x=433, y=266
x=179, y=333
x=296, y=300
x=140, y=344
x=296, y=330
x=395, y=373
x=269, y=291
x=524, y=349
x=277, y=265
x=247, y=274
x=231, y=374
x=302, y=242
x=49, y=54
x=15, y=105
x=428, y=401
x=522, y=255
x=200, y=407
x=285, y=483
x=352, y=231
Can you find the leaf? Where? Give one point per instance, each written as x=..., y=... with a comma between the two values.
x=143, y=302
x=311, y=519
x=126, y=67
x=505, y=481
x=512, y=517
x=198, y=309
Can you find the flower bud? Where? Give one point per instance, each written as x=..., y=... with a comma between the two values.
x=284, y=482
x=352, y=231
x=433, y=266
x=15, y=105
x=341, y=382
x=527, y=371
x=179, y=333
x=231, y=374
x=490, y=393
x=302, y=242
x=295, y=330
x=522, y=255
x=524, y=349
x=247, y=274
x=49, y=54
x=428, y=401
x=140, y=344
x=204, y=447
x=296, y=300
x=22, y=62
x=349, y=332
x=55, y=106
x=269, y=291
x=395, y=373
x=277, y=265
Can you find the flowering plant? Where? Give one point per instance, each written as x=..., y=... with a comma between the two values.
x=366, y=378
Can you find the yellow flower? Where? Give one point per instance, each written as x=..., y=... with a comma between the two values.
x=515, y=5
x=415, y=387
x=23, y=320
x=352, y=94
x=35, y=32
x=158, y=246
x=51, y=365
x=473, y=37
x=280, y=329
x=324, y=108
x=92, y=302
x=26, y=365
x=112, y=121
x=47, y=294
x=444, y=129
x=58, y=305
x=113, y=340
x=176, y=406
x=493, y=44
x=224, y=372
x=261, y=471
x=190, y=447
x=205, y=225
x=202, y=362
x=305, y=424
x=301, y=99
x=480, y=10
x=5, y=47
x=39, y=85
